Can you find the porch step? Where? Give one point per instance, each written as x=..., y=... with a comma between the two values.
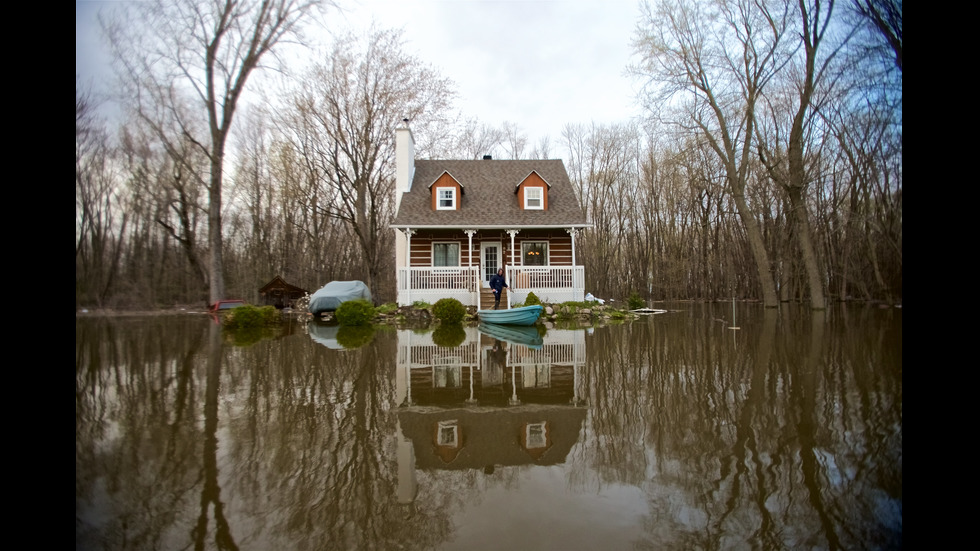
x=486, y=299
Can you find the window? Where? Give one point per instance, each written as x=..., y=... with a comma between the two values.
x=535, y=253
x=536, y=376
x=446, y=198
x=537, y=435
x=445, y=254
x=534, y=198
x=447, y=376
x=448, y=434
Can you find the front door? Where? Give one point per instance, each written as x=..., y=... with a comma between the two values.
x=489, y=260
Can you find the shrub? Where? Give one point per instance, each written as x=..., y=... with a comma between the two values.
x=355, y=312
x=635, y=302
x=449, y=335
x=531, y=299
x=251, y=316
x=449, y=310
x=351, y=336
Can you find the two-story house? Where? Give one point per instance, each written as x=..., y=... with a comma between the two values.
x=458, y=221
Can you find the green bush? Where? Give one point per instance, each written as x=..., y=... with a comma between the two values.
x=251, y=316
x=449, y=310
x=531, y=299
x=355, y=312
x=449, y=335
x=350, y=336
x=635, y=302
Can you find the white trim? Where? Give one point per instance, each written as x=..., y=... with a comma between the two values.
x=459, y=254
x=487, y=226
x=540, y=198
x=484, y=280
x=547, y=247
x=524, y=179
x=439, y=198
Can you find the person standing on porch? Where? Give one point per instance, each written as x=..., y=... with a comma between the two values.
x=497, y=283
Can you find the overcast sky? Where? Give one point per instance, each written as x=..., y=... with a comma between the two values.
x=537, y=63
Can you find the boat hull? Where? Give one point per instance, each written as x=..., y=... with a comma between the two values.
x=522, y=335
x=525, y=315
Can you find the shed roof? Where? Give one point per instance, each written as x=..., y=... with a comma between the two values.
x=279, y=283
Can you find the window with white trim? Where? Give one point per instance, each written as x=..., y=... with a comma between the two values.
x=445, y=198
x=534, y=253
x=536, y=435
x=534, y=198
x=445, y=254
x=448, y=434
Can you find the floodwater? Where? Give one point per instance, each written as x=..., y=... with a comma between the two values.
x=673, y=431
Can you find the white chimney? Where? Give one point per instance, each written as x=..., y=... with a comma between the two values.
x=404, y=161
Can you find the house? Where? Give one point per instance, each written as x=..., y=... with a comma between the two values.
x=280, y=294
x=458, y=221
x=529, y=408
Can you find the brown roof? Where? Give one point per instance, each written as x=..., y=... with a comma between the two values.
x=489, y=198
x=492, y=436
x=279, y=283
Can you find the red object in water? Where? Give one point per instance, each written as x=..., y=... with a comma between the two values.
x=226, y=305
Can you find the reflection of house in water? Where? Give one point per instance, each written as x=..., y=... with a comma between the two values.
x=487, y=402
x=487, y=371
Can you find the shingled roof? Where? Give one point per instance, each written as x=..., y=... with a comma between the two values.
x=489, y=199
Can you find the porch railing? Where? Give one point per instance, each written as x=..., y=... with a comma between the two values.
x=549, y=283
x=431, y=284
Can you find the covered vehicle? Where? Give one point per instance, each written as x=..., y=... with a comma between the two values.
x=329, y=297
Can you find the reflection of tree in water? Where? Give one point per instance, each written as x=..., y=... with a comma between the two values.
x=211, y=490
x=291, y=449
x=319, y=437
x=774, y=440
x=137, y=460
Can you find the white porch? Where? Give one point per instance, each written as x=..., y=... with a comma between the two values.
x=551, y=284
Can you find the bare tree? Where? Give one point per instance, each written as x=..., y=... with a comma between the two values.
x=514, y=141
x=885, y=16
x=707, y=65
x=475, y=139
x=100, y=213
x=185, y=66
x=343, y=119
x=786, y=152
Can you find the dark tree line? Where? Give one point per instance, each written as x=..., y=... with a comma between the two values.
x=769, y=167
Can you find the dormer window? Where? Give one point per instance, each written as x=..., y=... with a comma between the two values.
x=446, y=198
x=533, y=198
x=532, y=192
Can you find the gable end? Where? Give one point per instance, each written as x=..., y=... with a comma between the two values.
x=446, y=192
x=532, y=192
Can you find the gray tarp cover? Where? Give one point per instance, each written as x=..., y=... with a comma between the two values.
x=325, y=335
x=329, y=297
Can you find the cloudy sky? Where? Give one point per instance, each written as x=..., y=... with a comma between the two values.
x=537, y=63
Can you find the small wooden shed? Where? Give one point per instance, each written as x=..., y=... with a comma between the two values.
x=280, y=294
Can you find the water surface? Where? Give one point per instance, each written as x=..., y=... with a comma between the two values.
x=669, y=432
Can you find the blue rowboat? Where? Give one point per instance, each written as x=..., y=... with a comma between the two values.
x=525, y=315
x=524, y=336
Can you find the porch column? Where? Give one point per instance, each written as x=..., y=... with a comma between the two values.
x=510, y=270
x=475, y=282
x=469, y=248
x=408, y=263
x=512, y=252
x=572, y=232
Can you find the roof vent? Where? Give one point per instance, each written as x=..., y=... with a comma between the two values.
x=487, y=157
